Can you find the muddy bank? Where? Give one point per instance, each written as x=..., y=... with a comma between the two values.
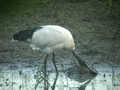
x=94, y=27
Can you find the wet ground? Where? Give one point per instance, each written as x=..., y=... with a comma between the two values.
x=107, y=79
x=94, y=26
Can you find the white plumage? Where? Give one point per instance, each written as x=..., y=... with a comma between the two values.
x=52, y=37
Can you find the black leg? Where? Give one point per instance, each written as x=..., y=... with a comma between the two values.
x=54, y=63
x=45, y=75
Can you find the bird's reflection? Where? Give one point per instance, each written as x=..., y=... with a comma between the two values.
x=81, y=72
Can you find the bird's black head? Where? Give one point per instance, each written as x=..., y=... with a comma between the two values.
x=25, y=34
x=17, y=36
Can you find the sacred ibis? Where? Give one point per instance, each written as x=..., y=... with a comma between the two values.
x=49, y=39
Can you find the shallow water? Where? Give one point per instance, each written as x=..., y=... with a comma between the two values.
x=25, y=79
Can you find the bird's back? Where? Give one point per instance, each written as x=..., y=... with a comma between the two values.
x=53, y=37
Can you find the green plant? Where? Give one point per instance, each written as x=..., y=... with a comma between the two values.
x=20, y=87
x=110, y=3
x=44, y=3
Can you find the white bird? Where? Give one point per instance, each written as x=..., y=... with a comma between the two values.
x=48, y=39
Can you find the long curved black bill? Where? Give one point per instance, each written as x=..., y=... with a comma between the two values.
x=82, y=63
